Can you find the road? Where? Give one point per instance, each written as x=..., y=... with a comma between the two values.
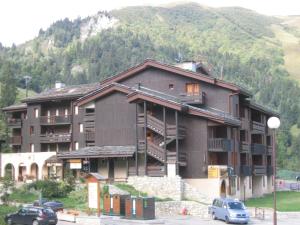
x=180, y=220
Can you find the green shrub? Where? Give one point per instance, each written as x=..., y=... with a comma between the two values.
x=51, y=188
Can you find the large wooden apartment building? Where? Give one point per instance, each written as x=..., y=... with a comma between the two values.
x=150, y=120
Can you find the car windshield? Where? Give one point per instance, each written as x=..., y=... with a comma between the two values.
x=48, y=211
x=235, y=205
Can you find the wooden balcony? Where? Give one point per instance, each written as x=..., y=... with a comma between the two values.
x=89, y=117
x=196, y=98
x=54, y=120
x=155, y=171
x=55, y=138
x=15, y=140
x=259, y=170
x=219, y=145
x=269, y=170
x=158, y=126
x=258, y=127
x=171, y=158
x=14, y=122
x=89, y=136
x=245, y=170
x=258, y=149
x=245, y=147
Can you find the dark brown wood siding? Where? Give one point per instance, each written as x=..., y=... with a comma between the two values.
x=115, y=121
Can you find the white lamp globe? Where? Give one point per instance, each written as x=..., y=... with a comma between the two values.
x=273, y=122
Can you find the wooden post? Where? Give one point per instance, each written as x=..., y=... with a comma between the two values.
x=165, y=139
x=177, y=143
x=145, y=131
x=137, y=139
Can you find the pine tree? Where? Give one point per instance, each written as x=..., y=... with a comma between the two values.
x=8, y=85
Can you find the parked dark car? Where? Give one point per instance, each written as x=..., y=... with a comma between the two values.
x=54, y=205
x=298, y=178
x=32, y=216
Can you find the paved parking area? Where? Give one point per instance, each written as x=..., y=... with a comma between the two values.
x=293, y=219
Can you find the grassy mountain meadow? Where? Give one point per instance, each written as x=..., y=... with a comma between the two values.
x=259, y=52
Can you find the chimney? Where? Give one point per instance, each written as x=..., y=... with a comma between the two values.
x=59, y=84
x=188, y=65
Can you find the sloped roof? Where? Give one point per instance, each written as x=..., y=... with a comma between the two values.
x=166, y=67
x=99, y=152
x=68, y=92
x=15, y=107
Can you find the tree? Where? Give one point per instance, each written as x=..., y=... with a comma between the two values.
x=8, y=85
x=7, y=184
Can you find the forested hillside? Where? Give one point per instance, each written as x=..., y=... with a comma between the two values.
x=240, y=42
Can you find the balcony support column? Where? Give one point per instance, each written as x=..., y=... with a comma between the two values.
x=165, y=139
x=177, y=143
x=145, y=133
x=137, y=139
x=229, y=152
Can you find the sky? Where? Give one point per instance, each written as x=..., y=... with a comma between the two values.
x=21, y=20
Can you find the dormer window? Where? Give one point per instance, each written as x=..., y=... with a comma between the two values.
x=192, y=89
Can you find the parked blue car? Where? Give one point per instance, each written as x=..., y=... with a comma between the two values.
x=229, y=210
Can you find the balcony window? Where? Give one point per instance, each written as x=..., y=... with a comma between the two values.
x=76, y=145
x=76, y=110
x=31, y=131
x=32, y=147
x=192, y=89
x=57, y=112
x=171, y=86
x=36, y=113
x=81, y=128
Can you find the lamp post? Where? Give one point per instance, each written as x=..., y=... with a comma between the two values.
x=274, y=123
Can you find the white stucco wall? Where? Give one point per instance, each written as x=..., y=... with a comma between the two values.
x=26, y=159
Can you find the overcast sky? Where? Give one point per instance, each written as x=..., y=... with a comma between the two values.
x=20, y=20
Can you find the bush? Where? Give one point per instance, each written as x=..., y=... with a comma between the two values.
x=51, y=188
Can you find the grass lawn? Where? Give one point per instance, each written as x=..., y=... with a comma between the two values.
x=287, y=201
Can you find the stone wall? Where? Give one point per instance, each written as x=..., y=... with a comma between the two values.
x=192, y=193
x=162, y=187
x=173, y=208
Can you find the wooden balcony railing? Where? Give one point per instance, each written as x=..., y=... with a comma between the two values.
x=219, y=145
x=258, y=149
x=258, y=127
x=50, y=120
x=259, y=170
x=15, y=140
x=14, y=122
x=89, y=136
x=196, y=98
x=156, y=151
x=55, y=138
x=245, y=170
x=155, y=171
x=245, y=147
x=158, y=126
x=171, y=157
x=89, y=117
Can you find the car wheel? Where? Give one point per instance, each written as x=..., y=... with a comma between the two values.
x=227, y=220
x=213, y=216
x=35, y=222
x=9, y=222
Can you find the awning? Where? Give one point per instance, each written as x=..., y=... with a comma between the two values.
x=53, y=161
x=99, y=152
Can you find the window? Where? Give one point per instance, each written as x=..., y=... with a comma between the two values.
x=31, y=130
x=192, y=89
x=36, y=113
x=80, y=127
x=57, y=112
x=66, y=112
x=32, y=147
x=171, y=86
x=76, y=110
x=76, y=145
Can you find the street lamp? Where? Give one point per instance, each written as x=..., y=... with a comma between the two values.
x=274, y=123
